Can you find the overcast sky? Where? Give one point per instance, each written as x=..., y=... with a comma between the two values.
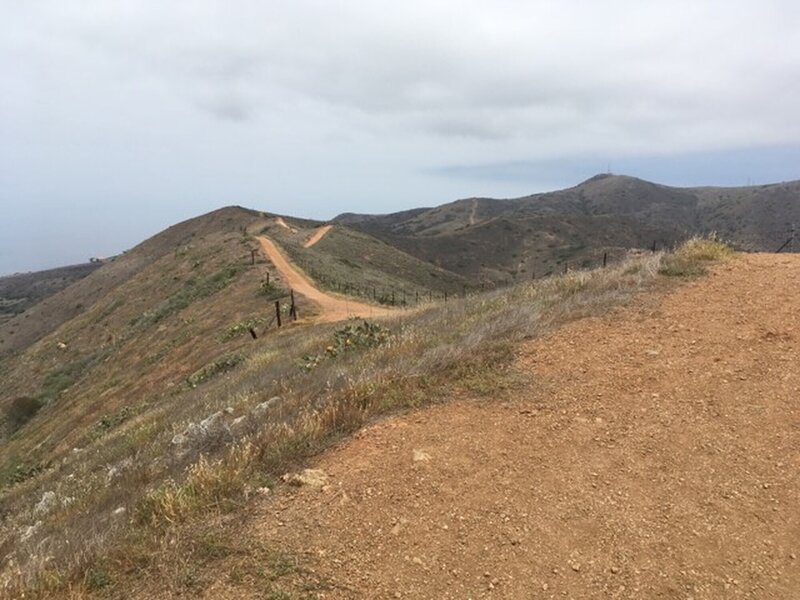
x=119, y=118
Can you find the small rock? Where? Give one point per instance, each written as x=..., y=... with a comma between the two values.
x=615, y=569
x=263, y=491
x=421, y=456
x=228, y=410
x=27, y=532
x=315, y=478
x=212, y=421
x=119, y=511
x=46, y=504
x=263, y=407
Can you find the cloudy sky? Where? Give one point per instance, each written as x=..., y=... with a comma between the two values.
x=119, y=118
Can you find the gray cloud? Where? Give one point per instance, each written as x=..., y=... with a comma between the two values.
x=319, y=103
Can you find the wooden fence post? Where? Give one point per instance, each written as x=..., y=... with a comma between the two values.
x=293, y=309
x=278, y=311
x=252, y=257
x=605, y=259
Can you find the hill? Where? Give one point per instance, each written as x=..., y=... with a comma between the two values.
x=496, y=240
x=128, y=335
x=21, y=291
x=156, y=404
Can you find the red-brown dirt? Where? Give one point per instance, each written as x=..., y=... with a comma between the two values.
x=651, y=453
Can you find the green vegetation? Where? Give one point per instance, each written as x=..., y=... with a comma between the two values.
x=61, y=378
x=192, y=290
x=21, y=410
x=17, y=472
x=242, y=327
x=347, y=339
x=109, y=422
x=219, y=366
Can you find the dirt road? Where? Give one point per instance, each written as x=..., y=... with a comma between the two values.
x=653, y=453
x=317, y=235
x=331, y=308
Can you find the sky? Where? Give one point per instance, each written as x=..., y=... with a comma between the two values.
x=119, y=118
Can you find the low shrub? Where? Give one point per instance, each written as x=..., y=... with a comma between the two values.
x=221, y=365
x=350, y=337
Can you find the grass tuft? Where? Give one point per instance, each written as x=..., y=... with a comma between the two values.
x=693, y=256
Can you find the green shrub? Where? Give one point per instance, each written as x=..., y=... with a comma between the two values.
x=21, y=410
x=221, y=365
x=350, y=337
x=242, y=328
x=109, y=422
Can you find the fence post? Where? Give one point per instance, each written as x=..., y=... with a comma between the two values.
x=252, y=257
x=293, y=309
x=654, y=245
x=392, y=297
x=445, y=295
x=278, y=311
x=267, y=277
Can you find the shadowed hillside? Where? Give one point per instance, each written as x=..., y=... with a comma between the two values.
x=540, y=234
x=21, y=291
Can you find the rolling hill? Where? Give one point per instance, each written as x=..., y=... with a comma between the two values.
x=495, y=240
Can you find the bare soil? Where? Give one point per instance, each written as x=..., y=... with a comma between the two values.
x=317, y=235
x=652, y=453
x=331, y=308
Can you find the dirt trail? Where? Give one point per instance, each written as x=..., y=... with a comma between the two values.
x=331, y=307
x=472, y=212
x=318, y=235
x=284, y=224
x=653, y=453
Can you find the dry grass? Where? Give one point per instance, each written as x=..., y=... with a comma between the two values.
x=691, y=258
x=466, y=343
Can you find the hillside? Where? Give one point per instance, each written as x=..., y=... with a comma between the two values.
x=180, y=411
x=21, y=291
x=497, y=240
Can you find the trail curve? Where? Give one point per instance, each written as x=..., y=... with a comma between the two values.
x=331, y=308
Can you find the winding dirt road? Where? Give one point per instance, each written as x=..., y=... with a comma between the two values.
x=653, y=453
x=332, y=308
